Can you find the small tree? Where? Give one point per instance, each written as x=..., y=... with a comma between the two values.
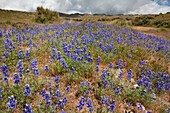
x=45, y=15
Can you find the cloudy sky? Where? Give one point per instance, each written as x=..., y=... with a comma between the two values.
x=91, y=6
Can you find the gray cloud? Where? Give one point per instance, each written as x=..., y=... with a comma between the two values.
x=88, y=6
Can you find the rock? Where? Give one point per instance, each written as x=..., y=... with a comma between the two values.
x=136, y=86
x=129, y=111
x=140, y=107
x=153, y=96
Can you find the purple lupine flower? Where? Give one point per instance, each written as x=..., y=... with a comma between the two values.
x=121, y=87
x=42, y=38
x=91, y=110
x=47, y=97
x=108, y=101
x=129, y=76
x=84, y=48
x=98, y=60
x=144, y=92
x=20, y=54
x=129, y=104
x=63, y=111
x=147, y=83
x=88, y=84
x=68, y=53
x=150, y=89
x=6, y=54
x=58, y=94
x=87, y=92
x=61, y=104
x=12, y=102
x=73, y=70
x=124, y=64
x=142, y=62
x=19, y=40
x=151, y=74
x=36, y=72
x=5, y=72
x=167, y=87
x=104, y=100
x=27, y=54
x=130, y=55
x=140, y=82
x=74, y=56
x=112, y=106
x=20, y=67
x=6, y=79
x=89, y=103
x=97, y=68
x=83, y=83
x=6, y=45
x=149, y=111
x=68, y=89
x=111, y=85
x=1, y=93
x=165, y=76
x=115, y=51
x=43, y=92
x=140, y=106
x=120, y=63
x=28, y=109
x=81, y=103
x=78, y=51
x=111, y=65
x=48, y=102
x=144, y=81
x=27, y=90
x=4, y=69
x=47, y=68
x=48, y=84
x=64, y=64
x=54, y=53
x=103, y=76
x=65, y=99
x=117, y=91
x=160, y=85
x=16, y=78
x=34, y=64
x=50, y=90
x=121, y=75
x=90, y=59
x=105, y=83
x=59, y=56
x=65, y=48
x=56, y=79
x=27, y=71
x=1, y=34
x=31, y=44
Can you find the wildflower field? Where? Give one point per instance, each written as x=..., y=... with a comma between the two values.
x=83, y=68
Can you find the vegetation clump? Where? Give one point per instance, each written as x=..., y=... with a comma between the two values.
x=45, y=15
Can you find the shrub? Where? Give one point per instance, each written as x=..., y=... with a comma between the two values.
x=45, y=15
x=8, y=22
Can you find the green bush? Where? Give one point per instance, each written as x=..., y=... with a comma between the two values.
x=139, y=21
x=45, y=15
x=8, y=22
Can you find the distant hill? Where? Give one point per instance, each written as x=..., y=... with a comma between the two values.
x=161, y=20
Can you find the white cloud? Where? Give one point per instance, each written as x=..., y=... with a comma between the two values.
x=87, y=6
x=151, y=8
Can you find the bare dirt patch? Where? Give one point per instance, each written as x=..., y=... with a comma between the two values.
x=159, y=32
